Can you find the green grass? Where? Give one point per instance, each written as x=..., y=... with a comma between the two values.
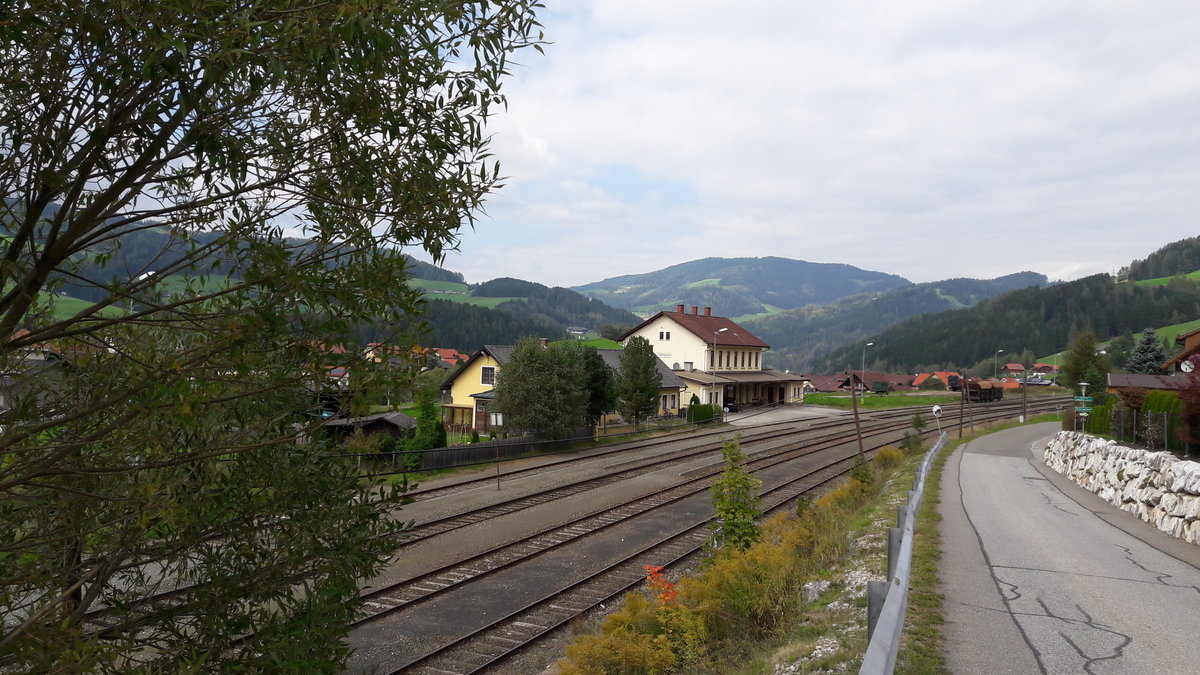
x=955, y=303
x=66, y=306
x=1174, y=331
x=602, y=343
x=880, y=401
x=1163, y=281
x=771, y=310
x=704, y=282
x=428, y=284
x=490, y=303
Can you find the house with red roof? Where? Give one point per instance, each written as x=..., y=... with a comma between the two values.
x=720, y=362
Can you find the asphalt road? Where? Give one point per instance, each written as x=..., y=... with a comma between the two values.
x=1039, y=575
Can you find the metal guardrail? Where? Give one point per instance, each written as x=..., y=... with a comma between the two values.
x=887, y=601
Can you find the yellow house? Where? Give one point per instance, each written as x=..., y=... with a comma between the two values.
x=466, y=394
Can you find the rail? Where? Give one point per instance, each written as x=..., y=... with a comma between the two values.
x=887, y=601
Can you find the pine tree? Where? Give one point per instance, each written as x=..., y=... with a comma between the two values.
x=1147, y=356
x=1083, y=362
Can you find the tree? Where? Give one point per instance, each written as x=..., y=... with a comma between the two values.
x=735, y=501
x=226, y=187
x=541, y=390
x=597, y=379
x=1082, y=361
x=639, y=381
x=1147, y=356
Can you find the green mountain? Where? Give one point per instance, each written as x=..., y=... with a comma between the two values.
x=1039, y=320
x=739, y=286
x=1175, y=259
x=800, y=337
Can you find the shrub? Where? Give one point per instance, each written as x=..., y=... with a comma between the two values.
x=863, y=473
x=700, y=413
x=888, y=457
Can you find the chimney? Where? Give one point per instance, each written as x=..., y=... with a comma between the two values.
x=544, y=342
x=695, y=310
x=679, y=309
x=708, y=311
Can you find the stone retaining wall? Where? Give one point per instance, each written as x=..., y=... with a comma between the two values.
x=1155, y=486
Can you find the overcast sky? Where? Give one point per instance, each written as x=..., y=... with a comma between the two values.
x=921, y=138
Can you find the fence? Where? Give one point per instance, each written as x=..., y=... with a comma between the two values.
x=1152, y=430
x=887, y=601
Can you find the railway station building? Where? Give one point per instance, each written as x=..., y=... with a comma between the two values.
x=719, y=362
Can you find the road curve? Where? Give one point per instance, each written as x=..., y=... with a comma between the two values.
x=1040, y=575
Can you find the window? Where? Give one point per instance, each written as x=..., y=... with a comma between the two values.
x=687, y=365
x=664, y=335
x=488, y=375
x=673, y=401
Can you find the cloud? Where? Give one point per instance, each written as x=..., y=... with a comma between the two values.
x=927, y=139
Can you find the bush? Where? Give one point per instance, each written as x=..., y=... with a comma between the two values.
x=888, y=457
x=700, y=413
x=863, y=473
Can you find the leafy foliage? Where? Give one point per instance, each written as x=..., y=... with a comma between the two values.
x=553, y=391
x=1084, y=363
x=237, y=180
x=639, y=381
x=735, y=501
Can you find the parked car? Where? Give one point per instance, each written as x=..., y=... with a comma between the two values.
x=730, y=406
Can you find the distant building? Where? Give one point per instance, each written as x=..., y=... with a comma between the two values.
x=720, y=362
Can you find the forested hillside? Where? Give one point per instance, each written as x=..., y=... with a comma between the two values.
x=1043, y=320
x=468, y=327
x=738, y=286
x=800, y=337
x=1174, y=259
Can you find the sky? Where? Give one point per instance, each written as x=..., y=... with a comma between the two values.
x=930, y=139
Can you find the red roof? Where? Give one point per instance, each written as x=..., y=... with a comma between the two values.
x=449, y=354
x=1014, y=367
x=724, y=331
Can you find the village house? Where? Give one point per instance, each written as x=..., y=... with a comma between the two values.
x=1189, y=344
x=718, y=361
x=468, y=392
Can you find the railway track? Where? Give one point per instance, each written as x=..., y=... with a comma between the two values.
x=502, y=638
x=758, y=441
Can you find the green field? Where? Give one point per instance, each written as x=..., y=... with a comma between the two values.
x=445, y=286
x=771, y=309
x=66, y=306
x=602, y=343
x=1163, y=281
x=704, y=282
x=877, y=401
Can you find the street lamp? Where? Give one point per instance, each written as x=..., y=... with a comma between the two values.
x=712, y=363
x=994, y=358
x=862, y=372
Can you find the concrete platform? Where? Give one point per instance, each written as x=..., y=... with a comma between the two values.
x=1041, y=576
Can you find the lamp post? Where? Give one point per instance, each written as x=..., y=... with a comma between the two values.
x=994, y=361
x=864, y=364
x=712, y=363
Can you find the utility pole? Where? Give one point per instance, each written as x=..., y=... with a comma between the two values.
x=962, y=401
x=862, y=455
